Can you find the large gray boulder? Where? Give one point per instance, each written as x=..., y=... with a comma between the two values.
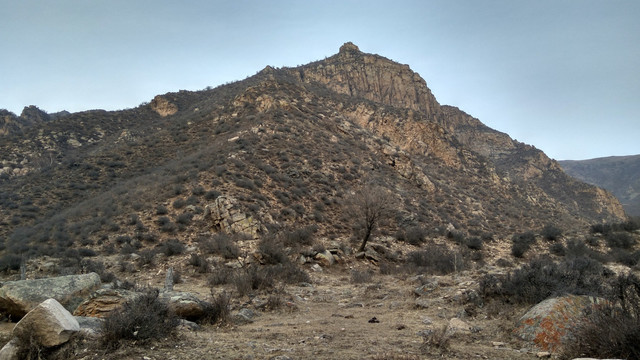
x=49, y=323
x=17, y=298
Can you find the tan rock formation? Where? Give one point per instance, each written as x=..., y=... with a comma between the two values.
x=163, y=107
x=371, y=77
x=225, y=215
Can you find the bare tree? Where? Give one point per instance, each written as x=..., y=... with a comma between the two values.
x=369, y=206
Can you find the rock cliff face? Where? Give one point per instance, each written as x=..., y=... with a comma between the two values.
x=372, y=77
x=429, y=128
x=163, y=107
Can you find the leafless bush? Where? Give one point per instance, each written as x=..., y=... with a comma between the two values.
x=217, y=311
x=436, y=341
x=610, y=330
x=146, y=317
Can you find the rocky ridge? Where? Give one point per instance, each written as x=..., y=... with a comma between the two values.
x=290, y=144
x=618, y=174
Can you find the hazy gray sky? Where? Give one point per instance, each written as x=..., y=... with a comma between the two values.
x=562, y=75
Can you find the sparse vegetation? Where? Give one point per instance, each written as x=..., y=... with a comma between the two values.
x=144, y=318
x=435, y=260
x=543, y=277
x=618, y=319
x=522, y=243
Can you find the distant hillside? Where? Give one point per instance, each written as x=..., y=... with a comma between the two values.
x=618, y=174
x=287, y=148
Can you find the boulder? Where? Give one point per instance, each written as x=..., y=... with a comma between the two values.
x=325, y=258
x=104, y=301
x=90, y=327
x=49, y=323
x=547, y=324
x=244, y=316
x=184, y=304
x=17, y=298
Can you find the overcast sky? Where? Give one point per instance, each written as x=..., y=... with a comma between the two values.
x=562, y=75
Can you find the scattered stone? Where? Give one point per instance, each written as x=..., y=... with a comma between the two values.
x=325, y=258
x=543, y=354
x=498, y=344
x=316, y=268
x=188, y=325
x=17, y=298
x=244, y=316
x=352, y=305
x=427, y=321
x=50, y=323
x=458, y=326
x=426, y=288
x=423, y=303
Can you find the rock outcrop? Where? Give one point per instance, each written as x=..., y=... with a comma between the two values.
x=17, y=298
x=225, y=215
x=372, y=77
x=163, y=106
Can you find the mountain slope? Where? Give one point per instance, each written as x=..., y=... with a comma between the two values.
x=289, y=146
x=618, y=174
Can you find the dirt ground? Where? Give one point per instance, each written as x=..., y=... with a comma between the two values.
x=332, y=319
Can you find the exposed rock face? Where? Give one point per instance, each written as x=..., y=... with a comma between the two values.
x=371, y=77
x=225, y=215
x=163, y=107
x=429, y=129
x=547, y=324
x=30, y=116
x=49, y=322
x=17, y=298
